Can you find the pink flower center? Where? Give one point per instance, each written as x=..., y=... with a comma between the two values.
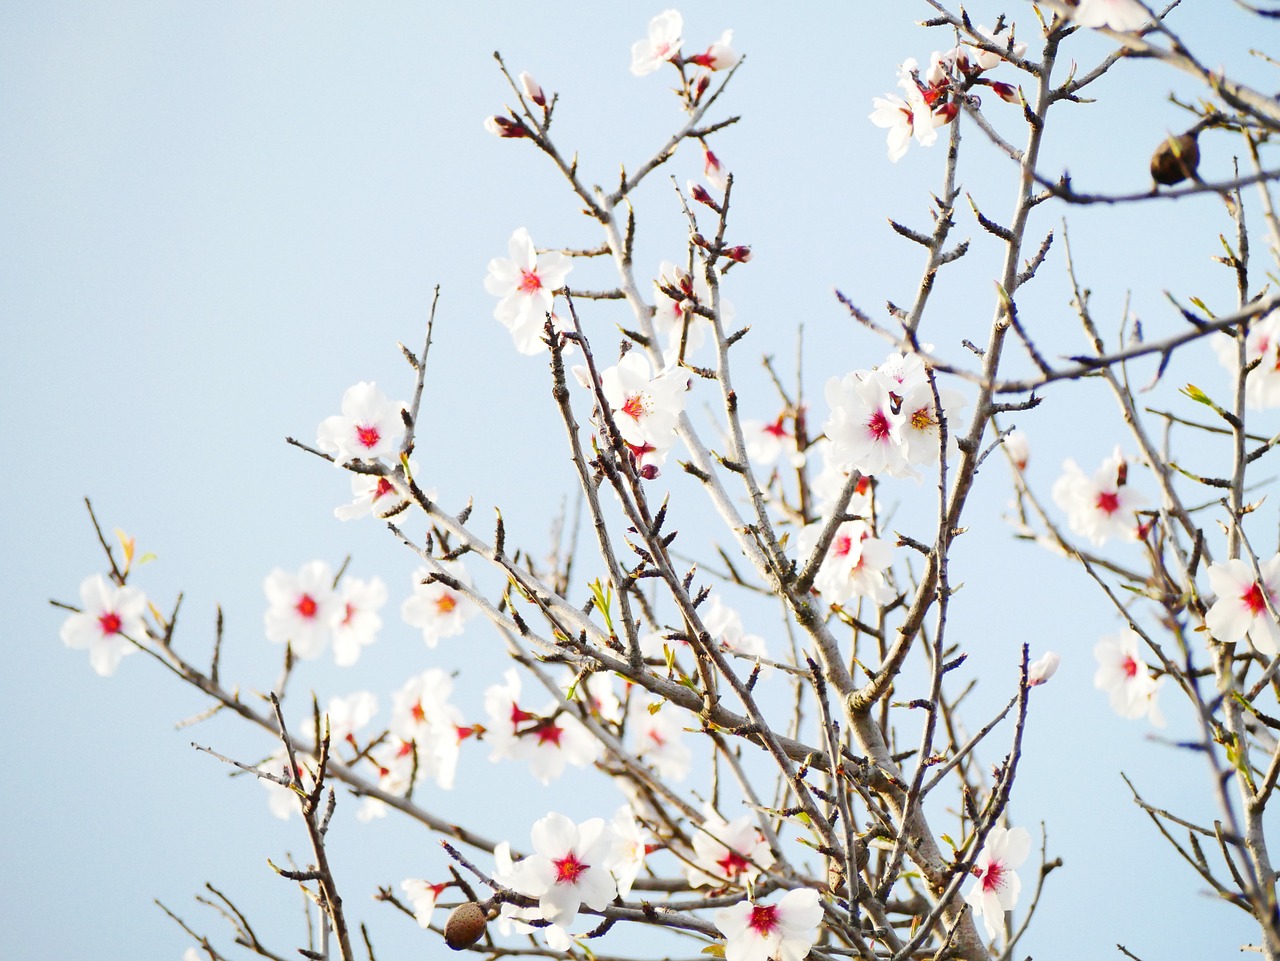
x=1129, y=666
x=1108, y=502
x=307, y=606
x=764, y=919
x=732, y=864
x=878, y=426
x=777, y=430
x=1253, y=599
x=530, y=282
x=109, y=623
x=569, y=869
x=842, y=545
x=634, y=406
x=368, y=436
x=549, y=734
x=657, y=738
x=993, y=880
x=383, y=489
x=519, y=717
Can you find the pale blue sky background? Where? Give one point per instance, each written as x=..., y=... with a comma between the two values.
x=218, y=216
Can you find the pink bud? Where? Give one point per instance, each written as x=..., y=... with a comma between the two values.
x=1043, y=669
x=1005, y=91
x=740, y=254
x=505, y=127
x=532, y=90
x=699, y=193
x=946, y=113
x=714, y=171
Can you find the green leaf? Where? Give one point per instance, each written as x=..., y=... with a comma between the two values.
x=1196, y=394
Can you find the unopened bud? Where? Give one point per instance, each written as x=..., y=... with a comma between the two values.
x=465, y=926
x=700, y=87
x=1006, y=91
x=1043, y=669
x=699, y=193
x=946, y=113
x=740, y=254
x=532, y=90
x=649, y=471
x=505, y=127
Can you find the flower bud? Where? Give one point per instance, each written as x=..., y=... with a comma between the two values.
x=1043, y=669
x=740, y=254
x=465, y=926
x=699, y=193
x=532, y=90
x=1005, y=91
x=505, y=127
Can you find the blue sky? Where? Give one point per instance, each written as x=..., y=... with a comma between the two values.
x=220, y=216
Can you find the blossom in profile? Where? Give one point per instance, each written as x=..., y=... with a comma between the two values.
x=661, y=44
x=630, y=845
x=1125, y=678
x=525, y=283
x=436, y=608
x=724, y=625
x=300, y=608
x=996, y=884
x=109, y=615
x=1241, y=608
x=345, y=716
x=1262, y=350
x=569, y=867
x=1042, y=668
x=904, y=119
x=1102, y=506
x=1018, y=448
x=769, y=441
x=720, y=55
x=368, y=428
x=372, y=495
x=356, y=621
x=670, y=312
x=981, y=60
x=422, y=898
x=1116, y=14
x=783, y=931
x=727, y=852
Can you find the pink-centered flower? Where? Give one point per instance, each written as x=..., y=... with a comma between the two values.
x=436, y=608
x=422, y=898
x=658, y=737
x=727, y=852
x=855, y=565
x=570, y=867
x=646, y=407
x=661, y=44
x=783, y=931
x=1262, y=350
x=1116, y=14
x=1125, y=678
x=376, y=496
x=108, y=617
x=1102, y=506
x=368, y=428
x=996, y=883
x=548, y=739
x=720, y=55
x=300, y=608
x=1241, y=608
x=526, y=282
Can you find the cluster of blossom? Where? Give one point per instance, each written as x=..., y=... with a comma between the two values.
x=1261, y=358
x=885, y=420
x=933, y=99
x=662, y=45
x=548, y=739
x=305, y=610
x=1102, y=506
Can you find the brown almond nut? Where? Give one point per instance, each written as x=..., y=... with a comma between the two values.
x=465, y=926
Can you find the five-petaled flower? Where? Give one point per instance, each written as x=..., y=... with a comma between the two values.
x=435, y=607
x=1102, y=506
x=996, y=884
x=369, y=426
x=1241, y=608
x=526, y=281
x=570, y=867
x=109, y=616
x=732, y=852
x=784, y=931
x=646, y=407
x=300, y=608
